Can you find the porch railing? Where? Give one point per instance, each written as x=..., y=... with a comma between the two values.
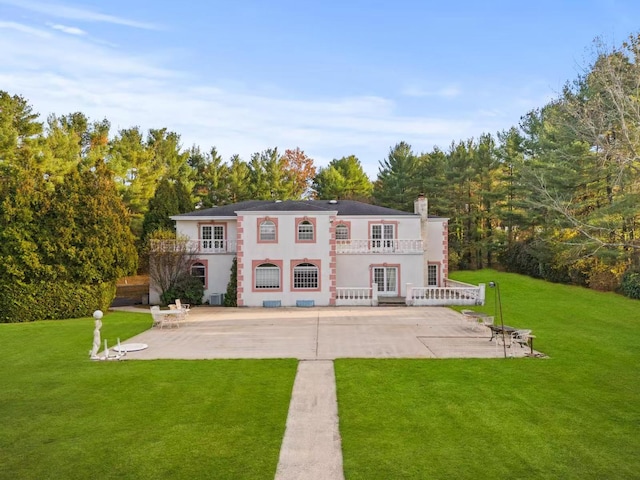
x=378, y=246
x=194, y=246
x=448, y=295
x=357, y=296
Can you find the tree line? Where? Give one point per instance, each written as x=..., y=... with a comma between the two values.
x=553, y=197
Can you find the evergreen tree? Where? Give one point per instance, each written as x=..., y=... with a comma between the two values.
x=397, y=185
x=136, y=172
x=231, y=297
x=239, y=180
x=88, y=238
x=170, y=198
x=343, y=179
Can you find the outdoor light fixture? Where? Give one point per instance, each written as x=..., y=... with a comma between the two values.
x=498, y=302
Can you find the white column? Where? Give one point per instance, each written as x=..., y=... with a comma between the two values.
x=481, y=293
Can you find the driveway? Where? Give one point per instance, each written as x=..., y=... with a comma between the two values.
x=321, y=333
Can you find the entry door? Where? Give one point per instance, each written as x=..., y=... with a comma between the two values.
x=387, y=280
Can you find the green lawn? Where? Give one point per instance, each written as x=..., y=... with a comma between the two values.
x=64, y=416
x=574, y=415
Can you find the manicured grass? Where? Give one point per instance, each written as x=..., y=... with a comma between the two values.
x=574, y=415
x=64, y=416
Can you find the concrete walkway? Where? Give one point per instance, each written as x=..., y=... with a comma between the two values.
x=311, y=448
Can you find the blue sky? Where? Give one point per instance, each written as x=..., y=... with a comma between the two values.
x=334, y=78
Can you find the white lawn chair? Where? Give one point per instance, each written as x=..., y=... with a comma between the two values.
x=504, y=340
x=521, y=337
x=487, y=321
x=184, y=307
x=157, y=317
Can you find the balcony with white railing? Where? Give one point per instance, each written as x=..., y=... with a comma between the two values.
x=194, y=246
x=359, y=246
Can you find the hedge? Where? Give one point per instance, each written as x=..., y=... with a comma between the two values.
x=27, y=302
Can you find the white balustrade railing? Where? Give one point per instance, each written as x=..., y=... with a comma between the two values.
x=423, y=296
x=217, y=246
x=379, y=246
x=194, y=246
x=357, y=295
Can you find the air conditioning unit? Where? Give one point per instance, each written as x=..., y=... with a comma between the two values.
x=216, y=299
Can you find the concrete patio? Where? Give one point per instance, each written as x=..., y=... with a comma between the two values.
x=323, y=333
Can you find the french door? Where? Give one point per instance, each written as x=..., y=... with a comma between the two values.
x=382, y=237
x=212, y=238
x=387, y=280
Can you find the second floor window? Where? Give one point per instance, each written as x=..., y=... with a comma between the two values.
x=267, y=231
x=305, y=230
x=342, y=232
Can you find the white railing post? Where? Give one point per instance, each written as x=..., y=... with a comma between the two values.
x=374, y=294
x=409, y=297
x=481, y=293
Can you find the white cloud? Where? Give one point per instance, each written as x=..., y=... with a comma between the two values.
x=19, y=27
x=67, y=73
x=73, y=13
x=65, y=29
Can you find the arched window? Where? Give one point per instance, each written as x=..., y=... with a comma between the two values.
x=267, y=276
x=305, y=275
x=199, y=271
x=342, y=232
x=267, y=231
x=305, y=230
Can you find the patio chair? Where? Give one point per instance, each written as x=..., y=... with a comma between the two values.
x=487, y=321
x=521, y=337
x=182, y=306
x=157, y=318
x=505, y=340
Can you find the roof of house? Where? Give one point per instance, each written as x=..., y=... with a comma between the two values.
x=343, y=207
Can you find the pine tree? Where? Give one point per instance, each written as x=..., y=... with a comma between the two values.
x=343, y=179
x=397, y=185
x=231, y=297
